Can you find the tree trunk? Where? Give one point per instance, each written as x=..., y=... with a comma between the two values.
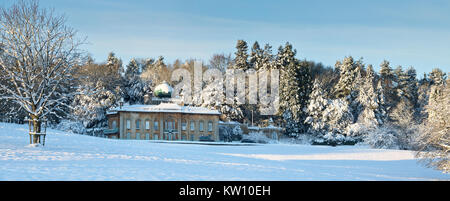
x=36, y=129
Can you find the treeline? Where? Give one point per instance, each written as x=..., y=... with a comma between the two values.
x=346, y=104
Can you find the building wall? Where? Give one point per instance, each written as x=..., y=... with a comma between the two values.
x=177, y=120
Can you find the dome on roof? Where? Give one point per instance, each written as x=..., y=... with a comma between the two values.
x=163, y=90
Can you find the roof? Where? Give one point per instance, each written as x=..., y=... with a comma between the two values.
x=164, y=107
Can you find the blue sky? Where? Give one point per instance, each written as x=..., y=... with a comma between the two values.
x=407, y=33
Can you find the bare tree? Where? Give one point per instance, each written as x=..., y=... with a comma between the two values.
x=37, y=55
x=220, y=61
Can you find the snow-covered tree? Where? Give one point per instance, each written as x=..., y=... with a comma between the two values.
x=437, y=77
x=241, y=56
x=318, y=102
x=295, y=87
x=157, y=72
x=256, y=57
x=348, y=73
x=267, y=58
x=91, y=103
x=132, y=70
x=135, y=88
x=384, y=137
x=114, y=64
x=368, y=100
x=436, y=132
x=404, y=112
x=387, y=84
x=38, y=54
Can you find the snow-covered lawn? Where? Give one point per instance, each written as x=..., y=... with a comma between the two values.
x=68, y=156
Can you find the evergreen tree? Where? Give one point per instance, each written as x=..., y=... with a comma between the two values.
x=387, y=84
x=114, y=64
x=404, y=112
x=386, y=73
x=295, y=87
x=134, y=87
x=256, y=57
x=348, y=74
x=267, y=58
x=241, y=59
x=90, y=105
x=318, y=102
x=437, y=77
x=369, y=100
x=132, y=70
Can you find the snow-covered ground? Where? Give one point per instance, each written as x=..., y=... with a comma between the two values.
x=68, y=156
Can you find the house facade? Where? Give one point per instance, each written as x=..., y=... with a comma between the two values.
x=163, y=121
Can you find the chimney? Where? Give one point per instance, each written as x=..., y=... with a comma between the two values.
x=147, y=99
x=121, y=103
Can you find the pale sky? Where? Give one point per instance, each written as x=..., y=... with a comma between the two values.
x=407, y=33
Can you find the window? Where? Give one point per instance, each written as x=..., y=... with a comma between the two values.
x=192, y=125
x=128, y=124
x=147, y=125
x=183, y=125
x=155, y=126
x=128, y=135
x=201, y=126
x=169, y=124
x=155, y=137
x=192, y=137
x=138, y=122
x=210, y=125
x=114, y=125
x=147, y=136
x=138, y=136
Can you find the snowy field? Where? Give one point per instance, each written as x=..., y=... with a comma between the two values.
x=69, y=156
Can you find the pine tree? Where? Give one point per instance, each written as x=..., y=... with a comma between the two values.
x=256, y=57
x=295, y=87
x=318, y=102
x=387, y=84
x=381, y=111
x=90, y=105
x=368, y=98
x=404, y=112
x=437, y=77
x=386, y=73
x=132, y=70
x=241, y=59
x=114, y=64
x=348, y=74
x=134, y=87
x=267, y=58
